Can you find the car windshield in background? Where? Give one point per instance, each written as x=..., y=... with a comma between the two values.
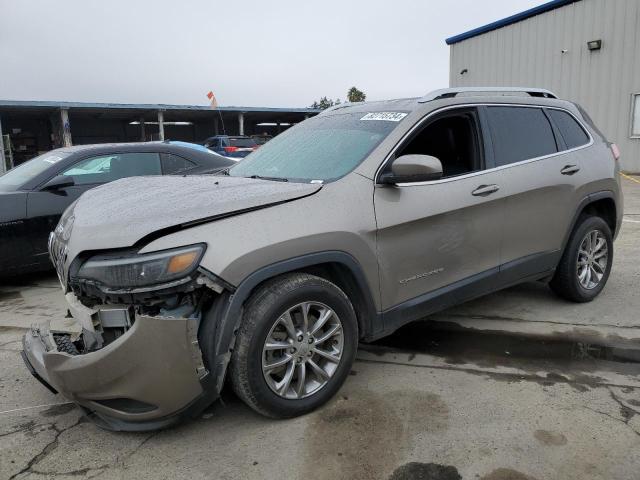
x=322, y=148
x=18, y=176
x=242, y=142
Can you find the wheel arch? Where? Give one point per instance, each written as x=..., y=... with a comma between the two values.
x=602, y=204
x=221, y=322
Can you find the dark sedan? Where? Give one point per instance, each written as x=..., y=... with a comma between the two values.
x=34, y=194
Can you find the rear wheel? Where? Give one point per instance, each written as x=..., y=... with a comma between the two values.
x=586, y=263
x=295, y=346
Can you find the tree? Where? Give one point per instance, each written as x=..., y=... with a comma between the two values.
x=355, y=95
x=325, y=103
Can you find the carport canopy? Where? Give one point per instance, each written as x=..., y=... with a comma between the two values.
x=36, y=126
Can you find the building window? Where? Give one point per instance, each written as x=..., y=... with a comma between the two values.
x=635, y=116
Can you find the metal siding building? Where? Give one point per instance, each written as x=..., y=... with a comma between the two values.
x=547, y=47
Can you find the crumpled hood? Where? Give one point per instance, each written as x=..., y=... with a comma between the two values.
x=122, y=212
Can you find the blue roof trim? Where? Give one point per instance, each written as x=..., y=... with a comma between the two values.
x=518, y=17
x=148, y=106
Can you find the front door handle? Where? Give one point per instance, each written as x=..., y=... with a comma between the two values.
x=484, y=190
x=570, y=170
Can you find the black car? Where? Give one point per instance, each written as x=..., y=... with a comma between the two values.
x=34, y=194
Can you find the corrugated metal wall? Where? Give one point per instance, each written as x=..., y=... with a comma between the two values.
x=530, y=53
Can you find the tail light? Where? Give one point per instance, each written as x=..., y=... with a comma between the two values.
x=230, y=149
x=616, y=151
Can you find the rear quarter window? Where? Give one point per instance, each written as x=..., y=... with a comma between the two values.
x=173, y=164
x=520, y=133
x=572, y=133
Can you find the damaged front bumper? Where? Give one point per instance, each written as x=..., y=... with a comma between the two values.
x=149, y=377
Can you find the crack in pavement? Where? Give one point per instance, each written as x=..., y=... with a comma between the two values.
x=53, y=445
x=626, y=412
x=10, y=342
x=72, y=473
x=26, y=427
x=472, y=316
x=620, y=420
x=47, y=449
x=121, y=462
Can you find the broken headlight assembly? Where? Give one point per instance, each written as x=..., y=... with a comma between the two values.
x=126, y=272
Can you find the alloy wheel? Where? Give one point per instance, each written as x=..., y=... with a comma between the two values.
x=302, y=350
x=593, y=258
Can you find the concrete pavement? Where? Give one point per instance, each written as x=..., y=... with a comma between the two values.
x=477, y=403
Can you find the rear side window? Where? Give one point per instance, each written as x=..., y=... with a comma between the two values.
x=107, y=168
x=573, y=134
x=174, y=164
x=520, y=133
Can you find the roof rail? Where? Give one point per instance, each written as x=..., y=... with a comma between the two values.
x=453, y=92
x=337, y=107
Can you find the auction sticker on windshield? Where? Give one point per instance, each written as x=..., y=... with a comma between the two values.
x=385, y=116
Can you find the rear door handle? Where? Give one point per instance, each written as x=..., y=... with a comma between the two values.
x=484, y=190
x=570, y=170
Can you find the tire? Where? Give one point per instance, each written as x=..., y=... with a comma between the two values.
x=263, y=318
x=565, y=282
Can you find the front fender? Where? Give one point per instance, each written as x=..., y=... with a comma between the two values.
x=218, y=330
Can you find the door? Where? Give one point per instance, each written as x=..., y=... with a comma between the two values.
x=44, y=207
x=14, y=243
x=440, y=239
x=540, y=183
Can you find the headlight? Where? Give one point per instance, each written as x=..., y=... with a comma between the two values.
x=144, y=269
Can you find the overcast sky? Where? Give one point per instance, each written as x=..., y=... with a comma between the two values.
x=283, y=53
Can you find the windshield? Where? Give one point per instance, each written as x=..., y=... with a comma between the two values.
x=18, y=176
x=322, y=148
x=242, y=142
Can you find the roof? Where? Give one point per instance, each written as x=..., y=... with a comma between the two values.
x=505, y=94
x=518, y=17
x=398, y=104
x=124, y=147
x=146, y=106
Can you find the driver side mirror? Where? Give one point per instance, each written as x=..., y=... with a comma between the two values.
x=58, y=182
x=412, y=169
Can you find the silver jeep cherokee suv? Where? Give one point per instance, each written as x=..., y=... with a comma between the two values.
x=343, y=228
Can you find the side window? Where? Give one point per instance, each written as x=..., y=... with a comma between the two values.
x=520, y=133
x=174, y=164
x=573, y=134
x=452, y=138
x=107, y=168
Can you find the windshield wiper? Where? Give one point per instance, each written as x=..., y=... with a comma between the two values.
x=274, y=179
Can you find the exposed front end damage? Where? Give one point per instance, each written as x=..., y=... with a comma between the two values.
x=136, y=363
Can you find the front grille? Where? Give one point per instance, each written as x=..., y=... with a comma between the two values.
x=58, y=254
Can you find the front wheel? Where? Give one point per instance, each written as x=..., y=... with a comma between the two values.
x=586, y=263
x=295, y=346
